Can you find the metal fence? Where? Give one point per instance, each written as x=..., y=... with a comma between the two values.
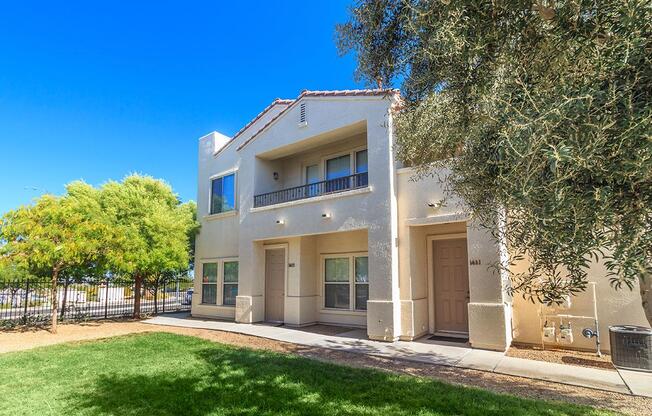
x=30, y=302
x=311, y=190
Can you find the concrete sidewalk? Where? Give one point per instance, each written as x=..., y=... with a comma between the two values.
x=432, y=352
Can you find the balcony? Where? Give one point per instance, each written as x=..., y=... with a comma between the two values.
x=312, y=190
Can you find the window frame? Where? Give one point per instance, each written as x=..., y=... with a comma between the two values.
x=236, y=283
x=351, y=256
x=219, y=283
x=217, y=278
x=222, y=175
x=356, y=284
x=352, y=160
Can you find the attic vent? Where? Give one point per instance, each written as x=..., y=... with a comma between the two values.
x=303, y=121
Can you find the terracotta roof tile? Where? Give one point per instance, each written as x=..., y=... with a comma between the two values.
x=262, y=113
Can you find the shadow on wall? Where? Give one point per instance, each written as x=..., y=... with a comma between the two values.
x=224, y=380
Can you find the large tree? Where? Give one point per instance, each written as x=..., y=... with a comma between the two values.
x=156, y=226
x=540, y=111
x=57, y=235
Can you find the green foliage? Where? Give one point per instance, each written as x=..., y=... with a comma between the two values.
x=539, y=110
x=56, y=234
x=137, y=228
x=11, y=272
x=180, y=375
x=155, y=226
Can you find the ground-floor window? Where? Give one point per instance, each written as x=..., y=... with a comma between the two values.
x=209, y=283
x=346, y=281
x=220, y=282
x=230, y=286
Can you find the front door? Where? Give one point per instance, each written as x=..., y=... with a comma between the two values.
x=274, y=284
x=451, y=275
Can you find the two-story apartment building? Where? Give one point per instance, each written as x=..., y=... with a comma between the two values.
x=307, y=217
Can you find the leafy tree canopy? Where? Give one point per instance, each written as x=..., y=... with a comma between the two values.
x=156, y=226
x=57, y=235
x=538, y=109
x=11, y=272
x=158, y=229
x=135, y=228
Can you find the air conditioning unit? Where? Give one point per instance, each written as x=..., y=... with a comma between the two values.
x=631, y=347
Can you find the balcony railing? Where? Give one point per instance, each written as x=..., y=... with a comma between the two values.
x=331, y=186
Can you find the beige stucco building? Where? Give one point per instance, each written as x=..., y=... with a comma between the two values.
x=307, y=217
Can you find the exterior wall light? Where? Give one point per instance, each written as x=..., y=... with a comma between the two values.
x=326, y=215
x=280, y=222
x=275, y=175
x=435, y=205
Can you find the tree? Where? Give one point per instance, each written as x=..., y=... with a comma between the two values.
x=540, y=111
x=56, y=235
x=156, y=227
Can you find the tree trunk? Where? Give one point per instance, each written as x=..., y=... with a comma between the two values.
x=137, y=289
x=645, y=283
x=55, y=301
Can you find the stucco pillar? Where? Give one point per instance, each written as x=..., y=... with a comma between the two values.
x=490, y=306
x=249, y=304
x=384, y=306
x=300, y=297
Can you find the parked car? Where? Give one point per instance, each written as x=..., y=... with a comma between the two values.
x=187, y=300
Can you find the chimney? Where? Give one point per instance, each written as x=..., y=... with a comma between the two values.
x=219, y=141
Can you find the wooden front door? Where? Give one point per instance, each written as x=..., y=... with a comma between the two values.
x=274, y=284
x=451, y=275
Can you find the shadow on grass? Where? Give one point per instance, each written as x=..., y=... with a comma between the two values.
x=226, y=380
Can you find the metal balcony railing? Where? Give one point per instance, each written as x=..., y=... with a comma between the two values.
x=359, y=180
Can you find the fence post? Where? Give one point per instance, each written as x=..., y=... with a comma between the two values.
x=26, y=299
x=106, y=299
x=164, y=292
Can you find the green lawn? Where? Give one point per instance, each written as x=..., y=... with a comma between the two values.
x=167, y=374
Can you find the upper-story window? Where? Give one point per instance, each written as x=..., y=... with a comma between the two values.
x=342, y=167
x=338, y=167
x=361, y=164
x=361, y=167
x=223, y=194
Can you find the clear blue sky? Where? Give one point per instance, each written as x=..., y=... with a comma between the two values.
x=96, y=90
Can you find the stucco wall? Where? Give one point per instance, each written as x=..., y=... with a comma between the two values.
x=491, y=320
x=489, y=308
x=615, y=307
x=304, y=285
x=348, y=211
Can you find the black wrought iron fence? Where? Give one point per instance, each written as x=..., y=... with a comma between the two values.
x=29, y=302
x=330, y=186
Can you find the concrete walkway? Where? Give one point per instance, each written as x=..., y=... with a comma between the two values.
x=432, y=352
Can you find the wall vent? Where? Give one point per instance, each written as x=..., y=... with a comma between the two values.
x=303, y=120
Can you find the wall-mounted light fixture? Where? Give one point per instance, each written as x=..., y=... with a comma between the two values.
x=275, y=175
x=436, y=204
x=280, y=222
x=326, y=215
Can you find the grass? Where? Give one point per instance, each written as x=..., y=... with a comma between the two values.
x=167, y=374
